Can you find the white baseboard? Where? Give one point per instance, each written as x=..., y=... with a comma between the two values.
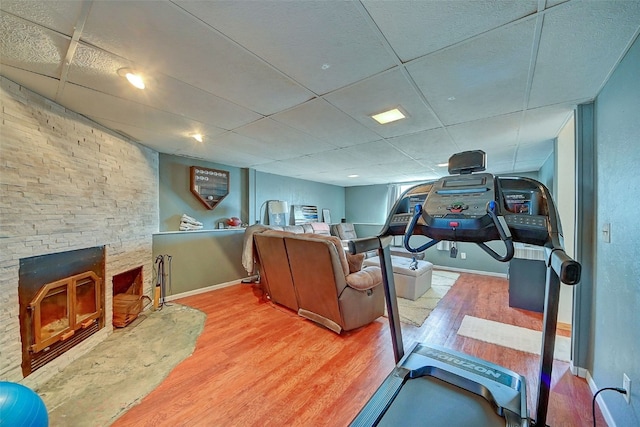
x=464, y=270
x=578, y=371
x=600, y=401
x=202, y=290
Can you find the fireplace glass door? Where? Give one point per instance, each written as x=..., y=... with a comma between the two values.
x=62, y=307
x=51, y=309
x=87, y=294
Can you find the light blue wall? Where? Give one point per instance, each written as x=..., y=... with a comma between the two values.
x=298, y=192
x=366, y=204
x=616, y=302
x=176, y=199
x=206, y=258
x=199, y=258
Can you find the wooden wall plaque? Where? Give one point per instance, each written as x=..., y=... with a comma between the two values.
x=209, y=186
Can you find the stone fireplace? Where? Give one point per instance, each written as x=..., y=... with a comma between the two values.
x=67, y=185
x=61, y=299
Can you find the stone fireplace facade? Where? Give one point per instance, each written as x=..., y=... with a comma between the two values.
x=67, y=184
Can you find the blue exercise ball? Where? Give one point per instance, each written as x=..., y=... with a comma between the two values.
x=21, y=407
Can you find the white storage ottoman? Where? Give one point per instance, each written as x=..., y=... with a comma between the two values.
x=410, y=284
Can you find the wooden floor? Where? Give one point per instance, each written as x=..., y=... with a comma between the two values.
x=259, y=364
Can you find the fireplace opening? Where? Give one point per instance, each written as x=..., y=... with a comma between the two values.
x=127, y=296
x=61, y=298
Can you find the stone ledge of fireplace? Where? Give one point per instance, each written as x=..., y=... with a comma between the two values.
x=124, y=368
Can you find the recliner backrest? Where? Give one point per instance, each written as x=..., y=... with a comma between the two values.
x=344, y=231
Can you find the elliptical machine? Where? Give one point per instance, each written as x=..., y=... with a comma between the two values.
x=454, y=388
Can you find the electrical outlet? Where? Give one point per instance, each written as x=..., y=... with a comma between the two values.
x=463, y=255
x=626, y=384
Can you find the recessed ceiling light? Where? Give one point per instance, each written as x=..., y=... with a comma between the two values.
x=451, y=98
x=197, y=137
x=132, y=76
x=326, y=66
x=353, y=176
x=443, y=165
x=388, y=116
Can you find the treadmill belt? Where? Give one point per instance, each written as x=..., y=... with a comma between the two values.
x=428, y=401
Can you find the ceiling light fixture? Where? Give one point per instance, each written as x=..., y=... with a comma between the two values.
x=197, y=137
x=388, y=116
x=353, y=176
x=443, y=165
x=132, y=76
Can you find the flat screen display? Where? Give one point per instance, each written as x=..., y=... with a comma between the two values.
x=519, y=203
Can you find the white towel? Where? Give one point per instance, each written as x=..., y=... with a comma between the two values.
x=186, y=219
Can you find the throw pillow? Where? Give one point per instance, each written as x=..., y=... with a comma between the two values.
x=355, y=262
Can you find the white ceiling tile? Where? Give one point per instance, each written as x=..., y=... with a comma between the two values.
x=487, y=76
x=502, y=154
x=416, y=28
x=430, y=147
x=217, y=154
x=318, y=117
x=282, y=141
x=502, y=167
x=224, y=65
x=412, y=170
x=280, y=167
x=60, y=16
x=544, y=123
x=487, y=134
x=526, y=166
x=580, y=44
x=45, y=86
x=314, y=34
x=259, y=152
x=371, y=153
x=118, y=110
x=552, y=3
x=31, y=47
x=161, y=37
x=535, y=152
x=382, y=93
x=98, y=70
x=160, y=142
x=325, y=161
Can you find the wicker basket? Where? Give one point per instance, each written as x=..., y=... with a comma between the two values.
x=126, y=308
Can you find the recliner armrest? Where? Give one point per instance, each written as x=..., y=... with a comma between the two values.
x=367, y=278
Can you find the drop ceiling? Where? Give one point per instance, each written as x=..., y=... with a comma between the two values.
x=288, y=87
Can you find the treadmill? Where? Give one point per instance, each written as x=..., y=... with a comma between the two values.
x=432, y=385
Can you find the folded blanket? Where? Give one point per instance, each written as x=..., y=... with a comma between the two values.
x=186, y=219
x=185, y=226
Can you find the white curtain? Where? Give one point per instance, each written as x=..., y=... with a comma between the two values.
x=392, y=195
x=444, y=245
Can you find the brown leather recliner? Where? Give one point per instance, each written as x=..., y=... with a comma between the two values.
x=346, y=231
x=315, y=270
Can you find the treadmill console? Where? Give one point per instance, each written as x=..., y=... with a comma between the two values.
x=456, y=208
x=476, y=207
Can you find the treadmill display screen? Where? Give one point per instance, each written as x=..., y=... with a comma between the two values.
x=519, y=203
x=463, y=182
